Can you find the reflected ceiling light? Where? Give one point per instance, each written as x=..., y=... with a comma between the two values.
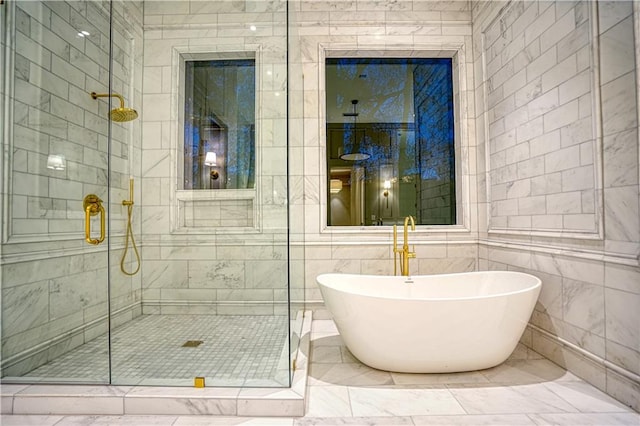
x=211, y=160
x=56, y=162
x=387, y=186
x=354, y=152
x=335, y=186
x=253, y=28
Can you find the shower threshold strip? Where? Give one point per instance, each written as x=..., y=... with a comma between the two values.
x=148, y=400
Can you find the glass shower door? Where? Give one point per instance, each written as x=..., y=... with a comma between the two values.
x=55, y=189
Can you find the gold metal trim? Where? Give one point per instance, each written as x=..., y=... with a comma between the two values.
x=192, y=343
x=405, y=254
x=129, y=204
x=95, y=95
x=92, y=205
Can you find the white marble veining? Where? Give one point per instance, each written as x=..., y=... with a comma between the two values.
x=528, y=371
x=269, y=402
x=510, y=400
x=523, y=392
x=328, y=401
x=232, y=421
x=582, y=304
x=25, y=420
x=623, y=318
x=475, y=420
x=182, y=406
x=70, y=400
x=403, y=401
x=347, y=374
x=582, y=419
x=585, y=397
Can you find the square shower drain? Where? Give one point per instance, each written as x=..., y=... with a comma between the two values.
x=192, y=343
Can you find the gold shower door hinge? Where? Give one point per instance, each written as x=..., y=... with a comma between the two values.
x=293, y=365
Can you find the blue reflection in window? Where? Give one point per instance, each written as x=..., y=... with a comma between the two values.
x=220, y=119
x=404, y=123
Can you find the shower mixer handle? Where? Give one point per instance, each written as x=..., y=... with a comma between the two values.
x=92, y=206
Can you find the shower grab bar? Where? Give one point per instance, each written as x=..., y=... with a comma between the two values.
x=92, y=206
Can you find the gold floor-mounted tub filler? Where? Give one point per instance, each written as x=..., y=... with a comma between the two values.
x=404, y=252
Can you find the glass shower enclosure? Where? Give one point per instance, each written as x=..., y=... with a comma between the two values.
x=116, y=268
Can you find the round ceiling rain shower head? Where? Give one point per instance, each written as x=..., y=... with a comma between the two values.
x=119, y=115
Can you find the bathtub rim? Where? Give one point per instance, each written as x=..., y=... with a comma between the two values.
x=409, y=280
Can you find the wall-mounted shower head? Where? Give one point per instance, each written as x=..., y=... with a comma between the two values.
x=121, y=114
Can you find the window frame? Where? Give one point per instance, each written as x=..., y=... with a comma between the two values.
x=462, y=164
x=180, y=197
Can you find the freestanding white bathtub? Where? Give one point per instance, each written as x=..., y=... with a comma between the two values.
x=431, y=323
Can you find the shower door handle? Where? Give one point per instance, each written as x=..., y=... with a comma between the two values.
x=92, y=206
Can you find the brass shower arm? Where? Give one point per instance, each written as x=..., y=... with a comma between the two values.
x=95, y=95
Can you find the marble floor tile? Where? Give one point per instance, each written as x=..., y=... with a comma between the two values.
x=586, y=398
x=395, y=401
x=181, y=406
x=347, y=356
x=270, y=402
x=347, y=374
x=227, y=339
x=25, y=420
x=521, y=372
x=117, y=420
x=472, y=377
x=327, y=354
x=475, y=420
x=523, y=399
x=328, y=401
x=526, y=390
x=326, y=339
x=587, y=419
x=232, y=421
x=354, y=421
x=523, y=352
x=324, y=326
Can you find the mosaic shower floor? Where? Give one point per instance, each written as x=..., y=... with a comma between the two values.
x=235, y=351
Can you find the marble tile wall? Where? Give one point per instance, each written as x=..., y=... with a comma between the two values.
x=557, y=123
x=225, y=251
x=54, y=285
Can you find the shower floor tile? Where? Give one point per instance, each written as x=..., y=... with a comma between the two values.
x=235, y=351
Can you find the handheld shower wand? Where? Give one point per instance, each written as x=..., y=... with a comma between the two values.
x=129, y=204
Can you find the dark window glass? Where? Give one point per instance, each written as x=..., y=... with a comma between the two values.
x=390, y=141
x=219, y=131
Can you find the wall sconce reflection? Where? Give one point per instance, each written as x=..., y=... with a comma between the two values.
x=56, y=162
x=211, y=161
x=335, y=186
x=387, y=186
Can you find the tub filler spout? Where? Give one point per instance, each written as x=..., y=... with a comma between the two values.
x=405, y=254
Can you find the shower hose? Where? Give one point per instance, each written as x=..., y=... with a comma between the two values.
x=126, y=244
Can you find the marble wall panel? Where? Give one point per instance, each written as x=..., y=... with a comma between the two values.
x=583, y=316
